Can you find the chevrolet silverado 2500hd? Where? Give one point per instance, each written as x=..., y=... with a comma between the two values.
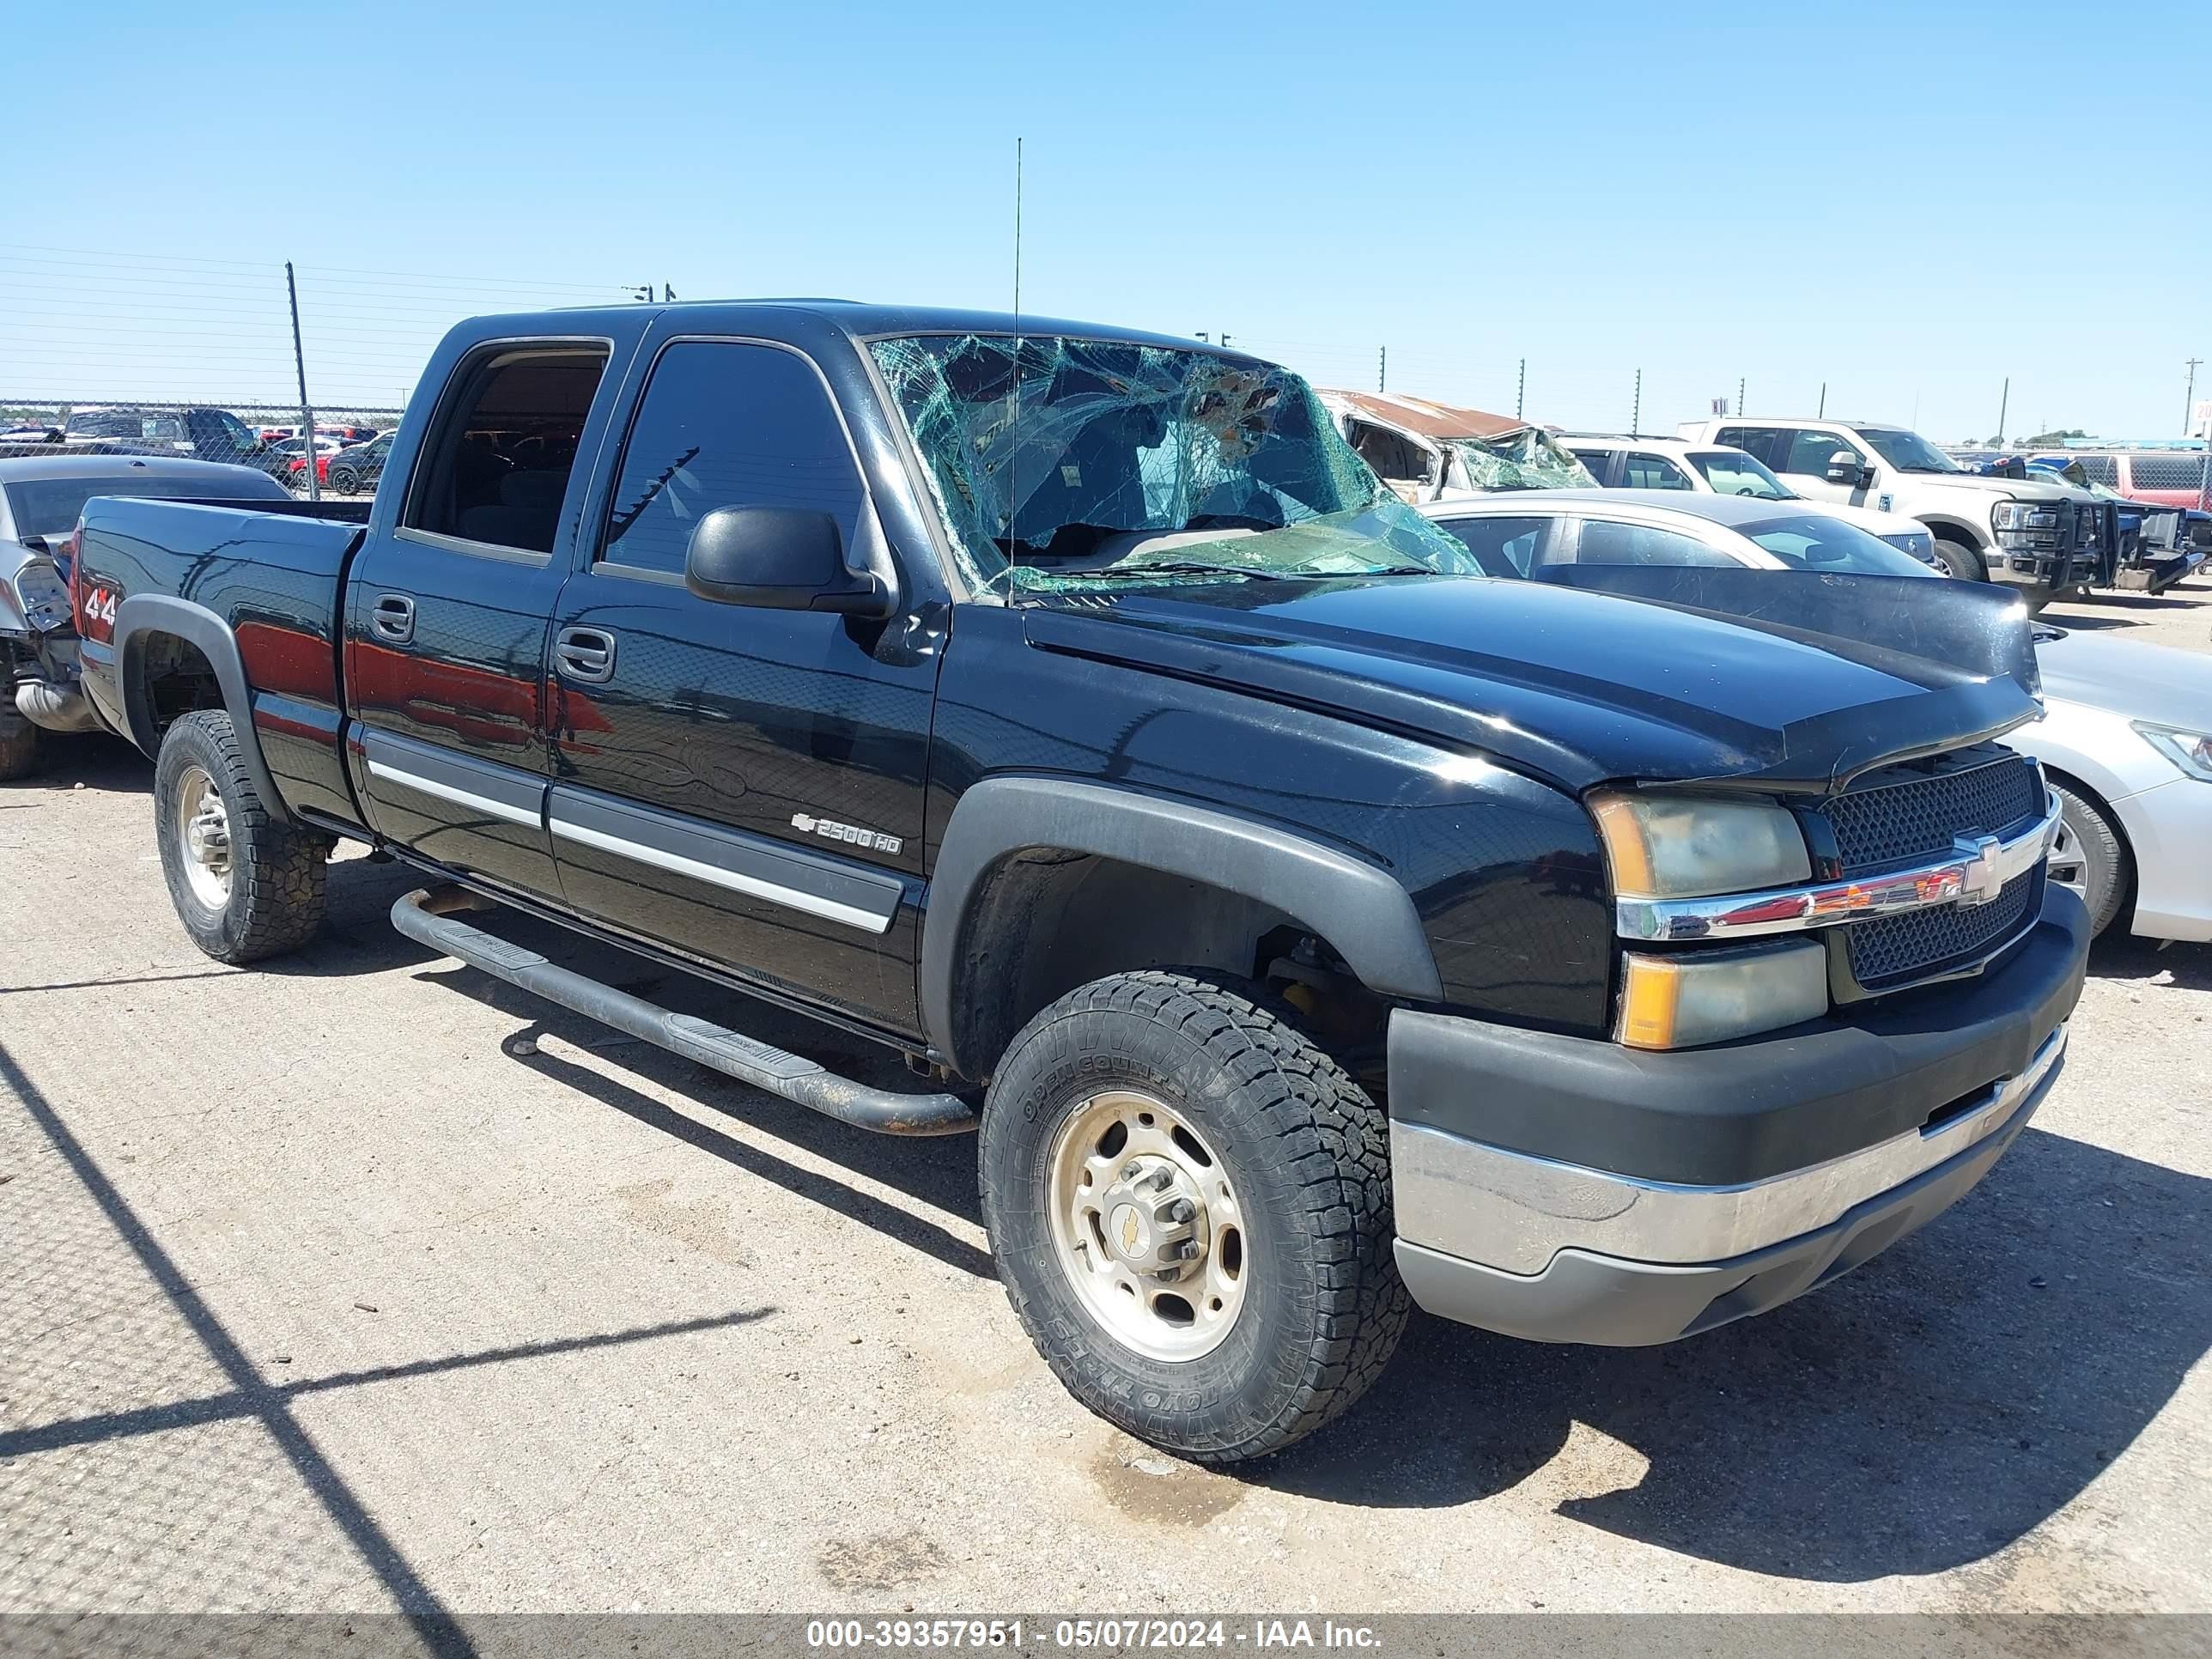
x=1307, y=923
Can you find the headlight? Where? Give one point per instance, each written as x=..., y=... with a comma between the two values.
x=1673, y=847
x=2023, y=515
x=2190, y=751
x=1709, y=996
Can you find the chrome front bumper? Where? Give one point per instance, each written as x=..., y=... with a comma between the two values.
x=1541, y=1248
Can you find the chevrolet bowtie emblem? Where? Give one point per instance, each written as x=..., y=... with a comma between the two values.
x=1981, y=882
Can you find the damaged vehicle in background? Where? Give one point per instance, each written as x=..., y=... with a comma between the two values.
x=1428, y=452
x=40, y=499
x=2124, y=737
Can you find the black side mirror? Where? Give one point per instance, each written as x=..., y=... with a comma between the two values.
x=780, y=558
x=1843, y=469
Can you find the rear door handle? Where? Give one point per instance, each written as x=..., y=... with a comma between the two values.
x=392, y=619
x=586, y=654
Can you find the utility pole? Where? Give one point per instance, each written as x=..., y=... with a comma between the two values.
x=1636, y=411
x=2004, y=404
x=1521, y=389
x=300, y=362
x=2189, y=396
x=1740, y=412
x=1382, y=369
x=1821, y=413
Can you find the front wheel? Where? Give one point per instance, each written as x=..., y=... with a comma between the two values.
x=345, y=480
x=246, y=886
x=1189, y=1204
x=2089, y=859
x=1957, y=559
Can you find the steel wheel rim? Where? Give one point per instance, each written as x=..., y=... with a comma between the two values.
x=1145, y=1227
x=2067, y=865
x=1942, y=563
x=203, y=837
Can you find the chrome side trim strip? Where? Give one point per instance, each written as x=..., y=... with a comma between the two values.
x=1515, y=1211
x=852, y=915
x=489, y=808
x=1974, y=873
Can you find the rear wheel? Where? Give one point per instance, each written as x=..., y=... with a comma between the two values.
x=1189, y=1204
x=1955, y=558
x=246, y=886
x=19, y=746
x=2089, y=859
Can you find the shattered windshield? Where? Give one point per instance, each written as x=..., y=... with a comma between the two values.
x=1104, y=458
x=1521, y=460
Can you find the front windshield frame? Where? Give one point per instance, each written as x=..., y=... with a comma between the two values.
x=1908, y=451
x=1138, y=449
x=1742, y=461
x=1868, y=554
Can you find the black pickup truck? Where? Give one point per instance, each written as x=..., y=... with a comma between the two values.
x=1309, y=925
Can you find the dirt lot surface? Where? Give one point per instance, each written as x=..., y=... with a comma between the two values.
x=360, y=1280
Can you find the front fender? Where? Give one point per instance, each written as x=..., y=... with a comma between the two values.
x=1363, y=911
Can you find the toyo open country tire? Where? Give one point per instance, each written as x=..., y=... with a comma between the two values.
x=246, y=886
x=1234, y=1101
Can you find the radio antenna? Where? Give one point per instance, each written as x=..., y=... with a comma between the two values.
x=1014, y=403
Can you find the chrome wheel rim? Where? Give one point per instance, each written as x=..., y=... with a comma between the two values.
x=1942, y=563
x=2067, y=866
x=203, y=837
x=1145, y=1225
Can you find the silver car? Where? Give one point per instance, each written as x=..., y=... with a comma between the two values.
x=2126, y=733
x=41, y=495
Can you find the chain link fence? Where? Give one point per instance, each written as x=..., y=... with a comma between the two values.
x=233, y=360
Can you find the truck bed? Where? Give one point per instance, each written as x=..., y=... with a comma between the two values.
x=274, y=575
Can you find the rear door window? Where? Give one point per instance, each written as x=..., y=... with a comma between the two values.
x=496, y=466
x=1646, y=471
x=1502, y=545
x=1809, y=452
x=1769, y=443
x=726, y=424
x=1606, y=541
x=1599, y=461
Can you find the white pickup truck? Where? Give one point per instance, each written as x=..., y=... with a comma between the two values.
x=2040, y=537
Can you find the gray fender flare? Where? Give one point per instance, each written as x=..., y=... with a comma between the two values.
x=143, y=615
x=1358, y=908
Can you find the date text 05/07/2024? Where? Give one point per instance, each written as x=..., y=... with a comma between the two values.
x=1120, y=1634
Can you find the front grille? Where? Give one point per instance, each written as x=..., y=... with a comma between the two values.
x=1890, y=950
x=1916, y=818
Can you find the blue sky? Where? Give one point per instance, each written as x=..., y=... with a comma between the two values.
x=1907, y=203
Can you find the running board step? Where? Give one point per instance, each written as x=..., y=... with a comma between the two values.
x=424, y=915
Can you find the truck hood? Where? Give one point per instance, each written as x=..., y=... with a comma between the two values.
x=1783, y=680
x=1971, y=486
x=2127, y=678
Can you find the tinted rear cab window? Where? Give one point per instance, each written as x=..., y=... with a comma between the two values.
x=497, y=463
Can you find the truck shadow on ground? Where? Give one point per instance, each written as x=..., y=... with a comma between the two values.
x=2122, y=957
x=1916, y=1416
x=93, y=760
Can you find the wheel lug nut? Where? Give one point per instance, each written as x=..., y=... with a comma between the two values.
x=1131, y=1171
x=1163, y=1179
x=1181, y=1211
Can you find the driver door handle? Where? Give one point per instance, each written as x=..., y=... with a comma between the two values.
x=586, y=654
x=392, y=619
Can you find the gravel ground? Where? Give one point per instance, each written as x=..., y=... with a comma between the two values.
x=360, y=1280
